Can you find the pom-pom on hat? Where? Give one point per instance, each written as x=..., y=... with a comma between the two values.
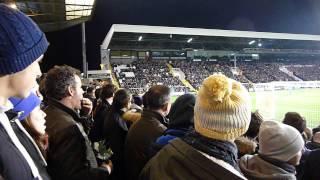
x=223, y=108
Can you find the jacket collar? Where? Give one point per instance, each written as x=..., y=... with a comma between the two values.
x=150, y=115
x=13, y=115
x=57, y=104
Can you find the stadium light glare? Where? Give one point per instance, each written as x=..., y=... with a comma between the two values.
x=260, y=44
x=182, y=54
x=189, y=40
x=140, y=38
x=252, y=42
x=195, y=50
x=13, y=5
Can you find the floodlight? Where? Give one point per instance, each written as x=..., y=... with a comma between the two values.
x=189, y=40
x=252, y=42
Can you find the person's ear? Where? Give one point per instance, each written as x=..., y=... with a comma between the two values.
x=71, y=91
x=166, y=108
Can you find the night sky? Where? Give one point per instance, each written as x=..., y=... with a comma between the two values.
x=286, y=16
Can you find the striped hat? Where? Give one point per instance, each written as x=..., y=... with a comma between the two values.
x=222, y=109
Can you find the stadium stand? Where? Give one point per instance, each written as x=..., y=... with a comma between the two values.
x=141, y=75
x=306, y=72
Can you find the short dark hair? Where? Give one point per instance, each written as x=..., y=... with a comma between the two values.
x=58, y=79
x=107, y=91
x=90, y=89
x=295, y=120
x=156, y=97
x=121, y=99
x=315, y=130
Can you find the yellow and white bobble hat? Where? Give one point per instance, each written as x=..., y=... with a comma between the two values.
x=223, y=108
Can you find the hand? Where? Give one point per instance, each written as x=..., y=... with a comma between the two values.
x=108, y=165
x=86, y=106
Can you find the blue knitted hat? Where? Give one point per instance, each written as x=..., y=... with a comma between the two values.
x=25, y=105
x=21, y=41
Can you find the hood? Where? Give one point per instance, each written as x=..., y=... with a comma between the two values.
x=245, y=145
x=253, y=167
x=182, y=112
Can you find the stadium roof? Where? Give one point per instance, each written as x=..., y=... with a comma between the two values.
x=52, y=15
x=139, y=37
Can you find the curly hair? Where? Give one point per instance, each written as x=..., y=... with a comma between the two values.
x=58, y=79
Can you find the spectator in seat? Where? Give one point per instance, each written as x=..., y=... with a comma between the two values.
x=145, y=131
x=22, y=45
x=280, y=149
x=70, y=155
x=221, y=114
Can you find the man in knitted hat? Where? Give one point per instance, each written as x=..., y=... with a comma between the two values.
x=22, y=45
x=221, y=114
x=280, y=150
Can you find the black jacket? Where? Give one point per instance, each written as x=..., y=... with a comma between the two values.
x=70, y=155
x=312, y=163
x=116, y=130
x=29, y=144
x=13, y=165
x=100, y=113
x=139, y=139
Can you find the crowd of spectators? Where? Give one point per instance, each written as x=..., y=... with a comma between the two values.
x=263, y=72
x=148, y=73
x=197, y=71
x=306, y=72
x=145, y=75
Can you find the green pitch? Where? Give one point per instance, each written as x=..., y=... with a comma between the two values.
x=275, y=104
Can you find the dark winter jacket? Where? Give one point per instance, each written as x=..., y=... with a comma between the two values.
x=139, y=139
x=301, y=167
x=70, y=155
x=100, y=113
x=116, y=130
x=311, y=171
x=312, y=145
x=30, y=145
x=179, y=161
x=13, y=166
